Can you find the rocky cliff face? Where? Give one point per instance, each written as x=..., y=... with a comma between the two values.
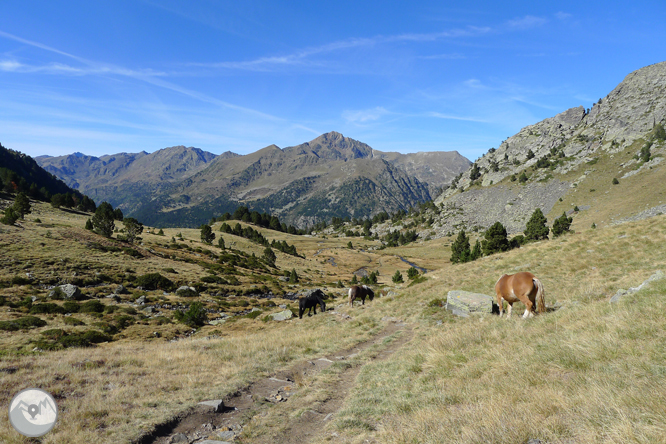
x=550, y=153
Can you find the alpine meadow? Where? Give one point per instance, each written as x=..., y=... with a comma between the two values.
x=329, y=290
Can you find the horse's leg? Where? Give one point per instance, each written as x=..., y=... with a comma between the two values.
x=500, y=304
x=528, y=305
x=509, y=307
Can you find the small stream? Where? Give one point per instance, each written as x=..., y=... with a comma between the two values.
x=421, y=269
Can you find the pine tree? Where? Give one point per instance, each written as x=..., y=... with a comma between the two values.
x=102, y=220
x=89, y=225
x=561, y=225
x=10, y=216
x=220, y=243
x=207, y=235
x=397, y=277
x=495, y=239
x=133, y=228
x=476, y=251
x=354, y=280
x=460, y=248
x=21, y=204
x=293, y=277
x=412, y=273
x=536, y=228
x=269, y=256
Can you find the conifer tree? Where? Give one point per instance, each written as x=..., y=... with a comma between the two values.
x=397, y=277
x=102, y=220
x=561, y=224
x=536, y=228
x=495, y=239
x=460, y=249
x=476, y=251
x=207, y=235
x=21, y=205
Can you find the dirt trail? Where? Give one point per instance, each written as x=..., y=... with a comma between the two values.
x=279, y=395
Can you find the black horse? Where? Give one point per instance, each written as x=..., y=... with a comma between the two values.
x=310, y=301
x=360, y=292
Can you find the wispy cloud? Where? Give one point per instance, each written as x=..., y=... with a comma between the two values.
x=364, y=116
x=92, y=67
x=452, y=117
x=453, y=56
x=529, y=21
x=562, y=15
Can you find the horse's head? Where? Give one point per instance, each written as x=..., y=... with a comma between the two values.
x=371, y=294
x=322, y=304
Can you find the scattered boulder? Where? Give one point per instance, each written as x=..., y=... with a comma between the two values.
x=179, y=438
x=140, y=300
x=187, y=292
x=621, y=293
x=67, y=292
x=120, y=289
x=463, y=303
x=283, y=315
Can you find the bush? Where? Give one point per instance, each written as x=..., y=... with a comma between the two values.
x=397, y=277
x=154, y=281
x=436, y=303
x=71, y=306
x=22, y=323
x=54, y=333
x=195, y=316
x=48, y=308
x=20, y=280
x=254, y=314
x=615, y=181
x=84, y=339
x=73, y=321
x=93, y=306
x=186, y=292
x=412, y=273
x=124, y=321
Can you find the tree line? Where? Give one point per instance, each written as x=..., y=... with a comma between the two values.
x=496, y=240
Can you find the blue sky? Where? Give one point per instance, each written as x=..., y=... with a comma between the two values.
x=102, y=77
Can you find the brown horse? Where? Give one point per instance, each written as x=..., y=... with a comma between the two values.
x=523, y=287
x=360, y=292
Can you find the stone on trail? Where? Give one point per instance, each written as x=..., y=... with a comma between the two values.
x=217, y=405
x=463, y=303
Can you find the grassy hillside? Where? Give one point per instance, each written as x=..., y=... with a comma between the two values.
x=587, y=371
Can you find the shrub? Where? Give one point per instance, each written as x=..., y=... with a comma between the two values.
x=436, y=303
x=84, y=339
x=615, y=181
x=254, y=314
x=71, y=307
x=48, y=308
x=54, y=333
x=154, y=281
x=93, y=306
x=124, y=321
x=186, y=292
x=397, y=277
x=10, y=217
x=22, y=323
x=195, y=316
x=73, y=321
x=523, y=177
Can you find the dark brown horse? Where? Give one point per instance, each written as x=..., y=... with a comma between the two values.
x=360, y=292
x=310, y=301
x=523, y=287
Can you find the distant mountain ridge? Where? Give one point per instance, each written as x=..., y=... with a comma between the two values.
x=331, y=175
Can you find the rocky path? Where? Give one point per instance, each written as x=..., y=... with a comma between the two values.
x=291, y=406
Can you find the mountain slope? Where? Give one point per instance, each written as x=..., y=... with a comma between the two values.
x=570, y=160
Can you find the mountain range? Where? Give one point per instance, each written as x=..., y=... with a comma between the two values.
x=329, y=176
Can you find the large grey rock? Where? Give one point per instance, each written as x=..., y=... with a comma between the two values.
x=463, y=303
x=283, y=315
x=120, y=289
x=216, y=405
x=69, y=291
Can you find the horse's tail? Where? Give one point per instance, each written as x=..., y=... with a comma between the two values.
x=540, y=296
x=350, y=295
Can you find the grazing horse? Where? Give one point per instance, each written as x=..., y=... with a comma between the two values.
x=309, y=302
x=360, y=292
x=523, y=287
